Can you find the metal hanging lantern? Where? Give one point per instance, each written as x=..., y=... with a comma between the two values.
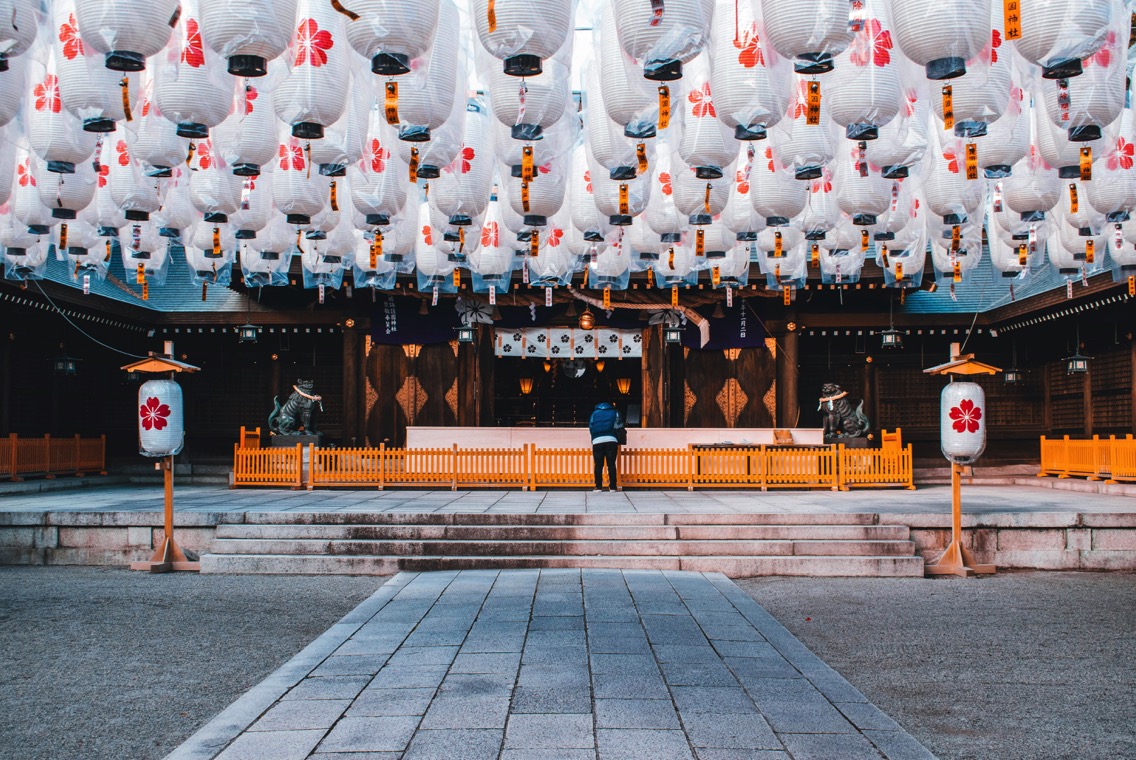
x=1077, y=364
x=891, y=338
x=587, y=319
x=672, y=334
x=465, y=334
x=66, y=365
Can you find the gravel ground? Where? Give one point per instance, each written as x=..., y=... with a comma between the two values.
x=1018, y=665
x=106, y=664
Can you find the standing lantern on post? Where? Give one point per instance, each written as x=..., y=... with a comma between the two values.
x=161, y=433
x=962, y=434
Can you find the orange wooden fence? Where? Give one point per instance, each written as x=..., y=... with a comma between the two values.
x=1110, y=460
x=48, y=457
x=531, y=468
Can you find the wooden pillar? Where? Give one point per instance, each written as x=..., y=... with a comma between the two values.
x=674, y=393
x=788, y=371
x=352, y=408
x=6, y=386
x=1046, y=400
x=868, y=392
x=486, y=362
x=653, y=377
x=1087, y=398
x=1132, y=413
x=467, y=384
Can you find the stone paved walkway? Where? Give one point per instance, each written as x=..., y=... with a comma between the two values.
x=927, y=499
x=564, y=664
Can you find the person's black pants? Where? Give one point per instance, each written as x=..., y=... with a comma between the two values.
x=605, y=452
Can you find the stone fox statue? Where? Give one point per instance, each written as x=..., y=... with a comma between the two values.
x=295, y=416
x=840, y=420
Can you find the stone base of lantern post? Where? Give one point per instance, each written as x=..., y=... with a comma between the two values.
x=956, y=560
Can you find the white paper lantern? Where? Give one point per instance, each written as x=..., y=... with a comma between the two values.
x=802, y=147
x=902, y=142
x=700, y=200
x=18, y=30
x=26, y=205
x=586, y=217
x=609, y=146
x=444, y=143
x=949, y=194
x=246, y=140
x=424, y=99
x=941, y=36
x=144, y=251
x=53, y=132
x=126, y=31
x=213, y=188
x=739, y=215
x=255, y=211
x=1058, y=36
x=158, y=145
x=1065, y=155
x=619, y=200
x=545, y=192
x=65, y=195
x=706, y=143
x=13, y=87
x=1006, y=141
x=775, y=194
x=292, y=189
x=813, y=32
x=249, y=33
x=90, y=90
x=392, y=34
x=531, y=105
x=861, y=191
x=1084, y=104
x=631, y=101
x=313, y=93
x=344, y=141
x=864, y=92
x=1113, y=189
x=380, y=180
x=750, y=79
x=191, y=88
x=523, y=33
x=663, y=36
x=962, y=422
x=1032, y=189
x=462, y=192
x=177, y=212
x=161, y=419
x=821, y=212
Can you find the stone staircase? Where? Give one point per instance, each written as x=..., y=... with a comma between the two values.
x=736, y=545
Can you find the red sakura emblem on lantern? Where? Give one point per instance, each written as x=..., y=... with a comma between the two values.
x=800, y=105
x=743, y=180
x=750, y=54
x=703, y=105
x=769, y=154
x=103, y=171
x=250, y=95
x=69, y=36
x=952, y=161
x=465, y=157
x=554, y=236
x=665, y=181
x=426, y=234
x=312, y=43
x=1122, y=158
x=588, y=179
x=995, y=43
x=123, y=156
x=1103, y=57
x=47, y=95
x=379, y=156
x=192, y=52
x=490, y=235
x=154, y=414
x=25, y=175
x=824, y=184
x=871, y=45
x=966, y=416
x=205, y=154
x=291, y=156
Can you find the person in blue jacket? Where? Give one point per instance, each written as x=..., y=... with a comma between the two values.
x=607, y=431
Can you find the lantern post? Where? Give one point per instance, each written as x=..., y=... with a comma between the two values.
x=161, y=433
x=962, y=433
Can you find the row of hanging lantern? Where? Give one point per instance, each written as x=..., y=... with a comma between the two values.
x=709, y=135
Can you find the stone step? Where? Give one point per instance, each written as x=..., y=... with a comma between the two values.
x=664, y=548
x=732, y=566
x=450, y=518
x=562, y=533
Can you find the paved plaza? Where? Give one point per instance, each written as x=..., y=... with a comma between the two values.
x=564, y=664
x=927, y=499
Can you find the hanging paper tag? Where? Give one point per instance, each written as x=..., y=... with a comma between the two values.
x=894, y=196
x=729, y=298
x=1086, y=164
x=700, y=242
x=816, y=254
x=145, y=291
x=434, y=298
x=971, y=161
x=997, y=198
x=948, y=108
x=671, y=258
x=457, y=277
x=1023, y=254
x=63, y=237
x=321, y=292
x=548, y=296
x=1118, y=237
x=1068, y=289
x=1089, y=251
x=1012, y=19
x=204, y=292
x=413, y=165
x=527, y=164
x=136, y=237
x=216, y=242
x=641, y=156
x=958, y=271
x=954, y=296
x=862, y=158
x=525, y=274
x=525, y=195
x=856, y=16
x=1073, y=204
x=1132, y=286
x=899, y=272
x=623, y=201
x=1033, y=239
x=777, y=244
x=491, y=17
x=674, y=295
x=656, y=13
x=1063, y=99
x=787, y=295
x=884, y=256
x=86, y=284
x=125, y=85
x=107, y=251
x=903, y=293
x=534, y=244
x=140, y=275
x=334, y=200
x=664, y=106
x=376, y=249
x=865, y=239
x=390, y=103
x=584, y=282
x=607, y=299
x=189, y=153
x=461, y=239
x=956, y=237
x=492, y=295
x=812, y=103
x=350, y=14
x=522, y=93
x=246, y=194
x=715, y=277
x=706, y=200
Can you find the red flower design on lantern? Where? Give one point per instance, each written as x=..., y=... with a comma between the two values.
x=995, y=43
x=250, y=95
x=192, y=52
x=205, y=154
x=47, y=95
x=800, y=106
x=24, y=171
x=123, y=156
x=554, y=236
x=911, y=101
x=588, y=179
x=871, y=45
x=703, y=104
x=824, y=183
x=291, y=156
x=665, y=181
x=312, y=43
x=69, y=36
x=103, y=171
x=426, y=234
x=743, y=181
x=153, y=414
x=952, y=161
x=769, y=154
x=1122, y=158
x=490, y=235
x=750, y=54
x=466, y=157
x=379, y=156
x=966, y=416
x=1102, y=57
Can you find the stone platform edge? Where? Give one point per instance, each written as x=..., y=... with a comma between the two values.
x=1101, y=541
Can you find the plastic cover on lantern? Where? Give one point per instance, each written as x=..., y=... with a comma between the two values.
x=948, y=193
x=545, y=191
x=393, y=35
x=789, y=271
x=491, y=260
x=700, y=200
x=968, y=255
x=444, y=143
x=631, y=101
x=161, y=418
x=612, y=267
x=904, y=267
x=941, y=36
x=586, y=217
x=22, y=20
x=344, y=142
x=312, y=80
x=1121, y=255
x=799, y=146
x=979, y=97
x=865, y=91
x=142, y=246
x=213, y=188
x=861, y=191
x=381, y=276
x=207, y=266
x=13, y=86
x=1033, y=187
x=1069, y=252
x=158, y=147
x=90, y=90
x=619, y=201
x=821, y=212
x=434, y=268
x=610, y=148
x=530, y=105
x=127, y=31
x=26, y=205
x=425, y=97
x=1113, y=189
x=523, y=33
x=1084, y=104
x=903, y=141
x=53, y=132
x=66, y=194
x=662, y=217
x=556, y=260
x=86, y=253
x=767, y=246
x=1058, y=35
x=663, y=36
x=250, y=33
x=812, y=32
x=733, y=268
x=132, y=191
x=177, y=211
x=841, y=266
x=25, y=254
x=675, y=267
x=1006, y=141
x=191, y=86
x=246, y=139
x=7, y=164
x=749, y=78
x=293, y=190
x=458, y=241
x=962, y=422
x=1075, y=209
x=739, y=215
x=400, y=238
x=380, y=180
x=255, y=211
x=1063, y=154
x=323, y=261
x=462, y=191
x=703, y=141
x=774, y=193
